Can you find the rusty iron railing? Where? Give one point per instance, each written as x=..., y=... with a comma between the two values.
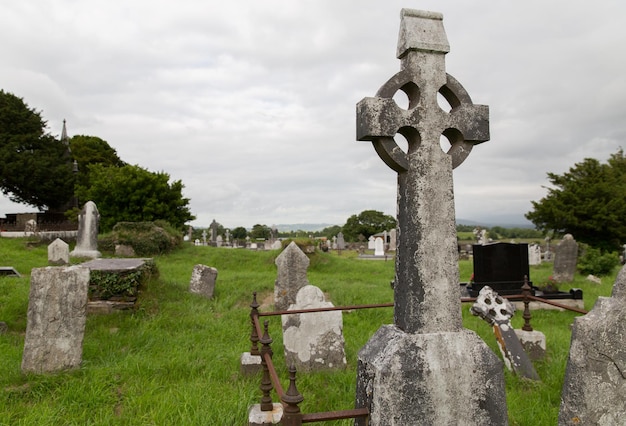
x=292, y=397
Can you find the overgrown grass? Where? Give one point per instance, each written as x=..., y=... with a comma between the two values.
x=175, y=359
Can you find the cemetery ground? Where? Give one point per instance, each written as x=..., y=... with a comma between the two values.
x=175, y=358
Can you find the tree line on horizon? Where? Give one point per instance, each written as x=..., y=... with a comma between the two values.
x=37, y=169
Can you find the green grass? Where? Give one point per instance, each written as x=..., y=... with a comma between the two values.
x=175, y=359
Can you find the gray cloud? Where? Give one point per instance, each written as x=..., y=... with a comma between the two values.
x=252, y=104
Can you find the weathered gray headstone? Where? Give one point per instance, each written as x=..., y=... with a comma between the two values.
x=87, y=238
x=313, y=341
x=213, y=227
x=58, y=252
x=565, y=258
x=393, y=242
x=292, y=265
x=426, y=368
x=57, y=312
x=341, y=243
x=203, y=280
x=594, y=390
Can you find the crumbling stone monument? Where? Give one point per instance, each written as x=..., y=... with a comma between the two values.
x=426, y=368
x=203, y=280
x=57, y=313
x=313, y=341
x=594, y=390
x=292, y=265
x=87, y=238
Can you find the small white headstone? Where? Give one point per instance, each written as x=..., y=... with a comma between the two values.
x=379, y=247
x=371, y=243
x=58, y=252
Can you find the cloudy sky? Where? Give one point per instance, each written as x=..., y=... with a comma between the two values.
x=251, y=104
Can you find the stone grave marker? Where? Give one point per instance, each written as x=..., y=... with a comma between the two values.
x=565, y=258
x=498, y=311
x=313, y=341
x=213, y=227
x=534, y=254
x=341, y=243
x=87, y=238
x=57, y=312
x=393, y=242
x=594, y=390
x=426, y=368
x=292, y=265
x=58, y=252
x=501, y=266
x=379, y=247
x=203, y=280
x=371, y=243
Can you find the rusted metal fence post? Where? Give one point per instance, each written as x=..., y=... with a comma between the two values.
x=266, y=382
x=291, y=399
x=254, y=336
x=526, y=315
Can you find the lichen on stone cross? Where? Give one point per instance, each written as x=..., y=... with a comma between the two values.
x=426, y=291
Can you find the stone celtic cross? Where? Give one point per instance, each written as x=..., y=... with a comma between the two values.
x=426, y=291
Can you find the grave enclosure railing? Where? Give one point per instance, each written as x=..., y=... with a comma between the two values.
x=292, y=397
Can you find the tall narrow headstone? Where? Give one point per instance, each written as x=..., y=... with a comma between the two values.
x=292, y=265
x=379, y=247
x=57, y=313
x=594, y=390
x=341, y=242
x=426, y=368
x=565, y=258
x=87, y=238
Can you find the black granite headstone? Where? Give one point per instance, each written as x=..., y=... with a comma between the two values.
x=501, y=266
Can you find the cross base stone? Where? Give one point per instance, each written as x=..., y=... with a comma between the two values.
x=250, y=364
x=256, y=417
x=431, y=379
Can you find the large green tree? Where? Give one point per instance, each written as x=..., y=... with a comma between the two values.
x=134, y=194
x=35, y=167
x=366, y=223
x=588, y=201
x=89, y=150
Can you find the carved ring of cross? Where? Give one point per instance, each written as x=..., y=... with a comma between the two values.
x=453, y=92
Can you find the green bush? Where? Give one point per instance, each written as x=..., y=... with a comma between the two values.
x=146, y=238
x=593, y=261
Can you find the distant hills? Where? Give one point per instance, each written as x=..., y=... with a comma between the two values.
x=503, y=221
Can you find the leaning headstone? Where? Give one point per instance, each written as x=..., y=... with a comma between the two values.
x=426, y=368
x=292, y=265
x=57, y=312
x=594, y=390
x=203, y=280
x=565, y=258
x=379, y=247
x=58, y=252
x=87, y=238
x=313, y=341
x=498, y=312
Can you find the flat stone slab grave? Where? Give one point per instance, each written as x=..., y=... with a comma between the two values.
x=8, y=271
x=112, y=265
